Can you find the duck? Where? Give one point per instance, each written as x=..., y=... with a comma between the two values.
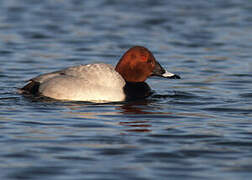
x=100, y=82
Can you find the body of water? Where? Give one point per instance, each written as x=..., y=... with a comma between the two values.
x=198, y=127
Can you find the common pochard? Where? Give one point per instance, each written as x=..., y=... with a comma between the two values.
x=101, y=82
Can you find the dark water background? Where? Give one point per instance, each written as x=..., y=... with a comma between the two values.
x=199, y=127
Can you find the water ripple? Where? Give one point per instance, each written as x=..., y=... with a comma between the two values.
x=198, y=127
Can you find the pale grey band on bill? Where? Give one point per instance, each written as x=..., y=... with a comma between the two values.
x=167, y=74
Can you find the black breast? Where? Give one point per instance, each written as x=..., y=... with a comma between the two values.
x=137, y=90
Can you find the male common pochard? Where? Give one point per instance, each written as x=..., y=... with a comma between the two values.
x=101, y=82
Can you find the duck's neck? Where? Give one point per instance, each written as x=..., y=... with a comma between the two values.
x=137, y=90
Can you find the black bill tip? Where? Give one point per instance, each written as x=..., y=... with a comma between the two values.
x=175, y=76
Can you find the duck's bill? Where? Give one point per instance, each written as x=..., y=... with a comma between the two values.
x=160, y=71
x=170, y=75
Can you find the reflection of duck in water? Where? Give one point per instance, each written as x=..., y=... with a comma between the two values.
x=101, y=82
x=135, y=107
x=136, y=123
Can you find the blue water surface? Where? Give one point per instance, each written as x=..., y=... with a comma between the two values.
x=199, y=127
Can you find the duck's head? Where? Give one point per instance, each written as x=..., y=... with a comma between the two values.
x=138, y=63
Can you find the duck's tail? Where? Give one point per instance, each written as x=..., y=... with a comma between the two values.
x=32, y=87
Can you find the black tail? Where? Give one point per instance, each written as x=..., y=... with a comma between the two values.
x=31, y=88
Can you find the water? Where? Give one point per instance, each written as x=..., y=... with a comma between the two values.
x=199, y=127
